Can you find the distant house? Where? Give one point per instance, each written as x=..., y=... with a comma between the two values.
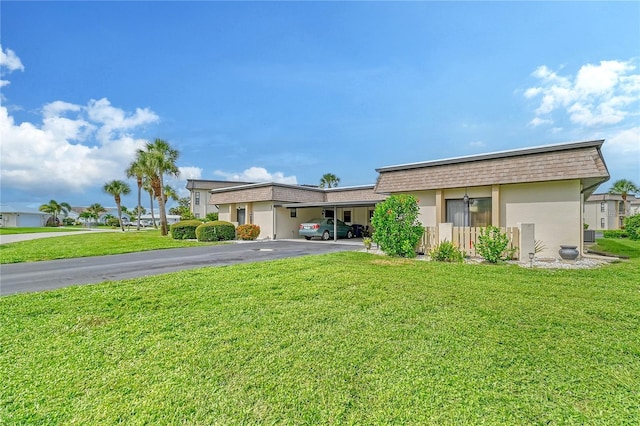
x=200, y=204
x=19, y=217
x=536, y=194
x=608, y=211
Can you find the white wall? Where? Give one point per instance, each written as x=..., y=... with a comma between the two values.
x=554, y=208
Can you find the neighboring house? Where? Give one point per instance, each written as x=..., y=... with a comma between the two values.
x=146, y=218
x=280, y=208
x=543, y=188
x=20, y=217
x=199, y=189
x=607, y=211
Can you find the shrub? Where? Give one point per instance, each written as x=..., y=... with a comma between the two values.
x=615, y=233
x=248, y=232
x=218, y=230
x=69, y=221
x=632, y=226
x=446, y=252
x=185, y=229
x=112, y=221
x=492, y=244
x=210, y=217
x=397, y=230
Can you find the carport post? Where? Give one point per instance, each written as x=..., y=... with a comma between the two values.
x=335, y=224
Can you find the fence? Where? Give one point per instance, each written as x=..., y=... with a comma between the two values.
x=464, y=237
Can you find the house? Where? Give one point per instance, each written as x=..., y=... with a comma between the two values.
x=199, y=189
x=607, y=211
x=19, y=217
x=280, y=208
x=544, y=186
x=536, y=193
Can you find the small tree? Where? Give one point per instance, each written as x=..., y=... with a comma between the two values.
x=397, y=230
x=492, y=244
x=632, y=226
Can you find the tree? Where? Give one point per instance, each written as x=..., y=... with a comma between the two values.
x=95, y=210
x=159, y=158
x=147, y=187
x=183, y=208
x=170, y=192
x=54, y=209
x=329, y=180
x=624, y=187
x=117, y=188
x=136, y=169
x=397, y=230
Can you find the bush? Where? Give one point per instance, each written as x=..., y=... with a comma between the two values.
x=218, y=230
x=248, y=232
x=185, y=229
x=112, y=221
x=397, y=230
x=446, y=252
x=615, y=233
x=211, y=217
x=68, y=221
x=632, y=226
x=492, y=244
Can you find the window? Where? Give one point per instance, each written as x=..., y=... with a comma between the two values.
x=602, y=207
x=346, y=215
x=602, y=223
x=197, y=215
x=197, y=199
x=293, y=212
x=477, y=213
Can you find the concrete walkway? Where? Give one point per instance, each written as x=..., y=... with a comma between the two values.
x=14, y=238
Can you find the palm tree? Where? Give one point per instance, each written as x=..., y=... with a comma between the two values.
x=624, y=187
x=170, y=192
x=136, y=169
x=146, y=184
x=95, y=210
x=159, y=158
x=329, y=180
x=117, y=188
x=54, y=209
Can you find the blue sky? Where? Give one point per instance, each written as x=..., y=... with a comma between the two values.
x=288, y=91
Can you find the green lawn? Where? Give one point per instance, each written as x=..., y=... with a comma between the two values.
x=13, y=231
x=89, y=244
x=347, y=338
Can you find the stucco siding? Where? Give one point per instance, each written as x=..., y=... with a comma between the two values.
x=262, y=215
x=554, y=208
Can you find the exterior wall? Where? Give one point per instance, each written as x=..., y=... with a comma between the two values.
x=553, y=207
x=262, y=215
x=356, y=194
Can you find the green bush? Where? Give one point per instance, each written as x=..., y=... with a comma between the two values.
x=492, y=244
x=248, y=232
x=397, y=230
x=112, y=221
x=615, y=233
x=632, y=226
x=217, y=230
x=446, y=252
x=185, y=229
x=211, y=217
x=68, y=221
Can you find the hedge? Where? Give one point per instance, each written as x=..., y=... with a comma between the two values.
x=185, y=229
x=217, y=230
x=248, y=232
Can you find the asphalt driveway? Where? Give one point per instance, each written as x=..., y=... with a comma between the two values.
x=49, y=275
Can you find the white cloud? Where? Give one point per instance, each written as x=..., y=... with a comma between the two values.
x=599, y=95
x=257, y=174
x=75, y=148
x=190, y=173
x=10, y=62
x=625, y=142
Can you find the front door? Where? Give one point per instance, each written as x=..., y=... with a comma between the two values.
x=241, y=216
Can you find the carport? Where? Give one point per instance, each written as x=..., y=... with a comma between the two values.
x=332, y=206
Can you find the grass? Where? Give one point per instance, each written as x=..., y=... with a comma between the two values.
x=347, y=338
x=618, y=246
x=13, y=231
x=89, y=244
